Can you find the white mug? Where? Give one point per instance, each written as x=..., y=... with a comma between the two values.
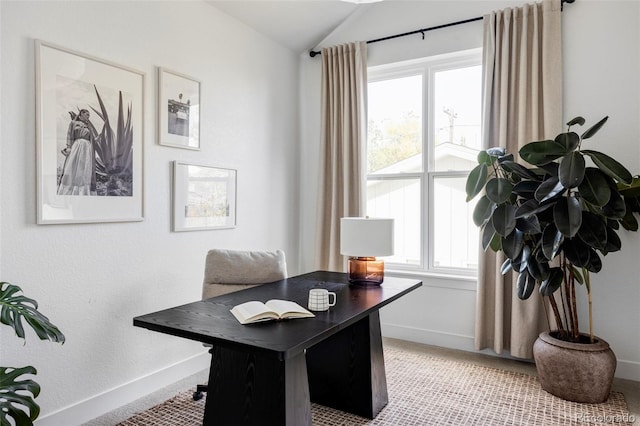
x=319, y=299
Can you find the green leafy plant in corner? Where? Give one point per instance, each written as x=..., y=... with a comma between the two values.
x=554, y=221
x=17, y=394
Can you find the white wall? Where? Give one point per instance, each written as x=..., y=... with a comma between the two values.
x=92, y=279
x=601, y=68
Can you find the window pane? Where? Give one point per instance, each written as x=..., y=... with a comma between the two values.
x=457, y=117
x=394, y=142
x=455, y=239
x=398, y=199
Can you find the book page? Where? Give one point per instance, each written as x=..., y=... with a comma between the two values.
x=288, y=309
x=253, y=311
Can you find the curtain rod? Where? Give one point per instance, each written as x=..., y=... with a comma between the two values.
x=313, y=53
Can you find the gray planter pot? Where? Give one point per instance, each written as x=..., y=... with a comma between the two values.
x=579, y=372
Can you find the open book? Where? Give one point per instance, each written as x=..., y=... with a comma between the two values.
x=254, y=311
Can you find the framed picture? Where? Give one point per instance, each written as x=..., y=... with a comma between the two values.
x=204, y=197
x=178, y=110
x=89, y=124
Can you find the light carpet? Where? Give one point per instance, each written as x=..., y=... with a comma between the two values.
x=425, y=390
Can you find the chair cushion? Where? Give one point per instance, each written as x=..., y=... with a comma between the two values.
x=231, y=270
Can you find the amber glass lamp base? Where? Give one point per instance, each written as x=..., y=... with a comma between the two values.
x=366, y=271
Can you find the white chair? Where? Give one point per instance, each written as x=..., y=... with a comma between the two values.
x=226, y=271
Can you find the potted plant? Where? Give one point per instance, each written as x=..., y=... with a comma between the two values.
x=554, y=222
x=17, y=394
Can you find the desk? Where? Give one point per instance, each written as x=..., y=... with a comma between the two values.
x=268, y=373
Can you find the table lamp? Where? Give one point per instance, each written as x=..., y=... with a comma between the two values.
x=362, y=239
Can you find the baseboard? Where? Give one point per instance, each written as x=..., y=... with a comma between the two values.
x=628, y=370
x=112, y=399
x=429, y=337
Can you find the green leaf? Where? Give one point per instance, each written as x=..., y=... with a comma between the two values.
x=529, y=224
x=578, y=120
x=543, y=152
x=476, y=181
x=488, y=233
x=518, y=169
x=577, y=252
x=571, y=169
x=525, y=285
x=552, y=283
x=503, y=219
x=506, y=267
x=550, y=169
x=569, y=141
x=613, y=241
x=567, y=216
x=593, y=231
x=495, y=243
x=497, y=151
x=632, y=190
x=482, y=211
x=549, y=189
x=484, y=158
x=551, y=241
x=610, y=166
x=17, y=396
x=519, y=264
x=538, y=270
x=15, y=307
x=506, y=157
x=595, y=263
x=531, y=207
x=512, y=244
x=629, y=222
x=526, y=188
x=594, y=129
x=594, y=188
x=577, y=275
x=498, y=190
x=616, y=207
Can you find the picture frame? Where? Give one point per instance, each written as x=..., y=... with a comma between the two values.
x=89, y=138
x=204, y=197
x=178, y=110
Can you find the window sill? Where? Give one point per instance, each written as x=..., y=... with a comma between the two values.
x=433, y=279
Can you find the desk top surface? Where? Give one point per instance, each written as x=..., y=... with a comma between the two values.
x=210, y=321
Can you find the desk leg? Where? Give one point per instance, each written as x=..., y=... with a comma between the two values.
x=346, y=371
x=252, y=389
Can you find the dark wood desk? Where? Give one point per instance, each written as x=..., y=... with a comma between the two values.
x=267, y=373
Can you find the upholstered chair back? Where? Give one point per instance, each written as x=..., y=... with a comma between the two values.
x=226, y=271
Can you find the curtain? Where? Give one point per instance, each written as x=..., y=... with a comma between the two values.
x=344, y=85
x=522, y=102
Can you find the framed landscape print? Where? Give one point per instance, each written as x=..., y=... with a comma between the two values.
x=204, y=197
x=89, y=123
x=178, y=110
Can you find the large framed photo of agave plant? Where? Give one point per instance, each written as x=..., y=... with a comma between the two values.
x=89, y=119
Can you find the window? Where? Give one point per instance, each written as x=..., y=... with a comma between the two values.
x=423, y=139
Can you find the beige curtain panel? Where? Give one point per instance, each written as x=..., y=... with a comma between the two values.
x=344, y=85
x=522, y=102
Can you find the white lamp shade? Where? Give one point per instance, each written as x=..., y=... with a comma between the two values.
x=366, y=237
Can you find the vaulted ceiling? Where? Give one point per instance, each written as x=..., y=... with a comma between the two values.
x=297, y=24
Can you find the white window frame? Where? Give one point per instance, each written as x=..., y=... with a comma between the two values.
x=427, y=67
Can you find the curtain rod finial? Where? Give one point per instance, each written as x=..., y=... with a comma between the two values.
x=313, y=54
x=562, y=2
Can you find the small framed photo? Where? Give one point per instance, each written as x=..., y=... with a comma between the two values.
x=89, y=131
x=204, y=197
x=178, y=110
